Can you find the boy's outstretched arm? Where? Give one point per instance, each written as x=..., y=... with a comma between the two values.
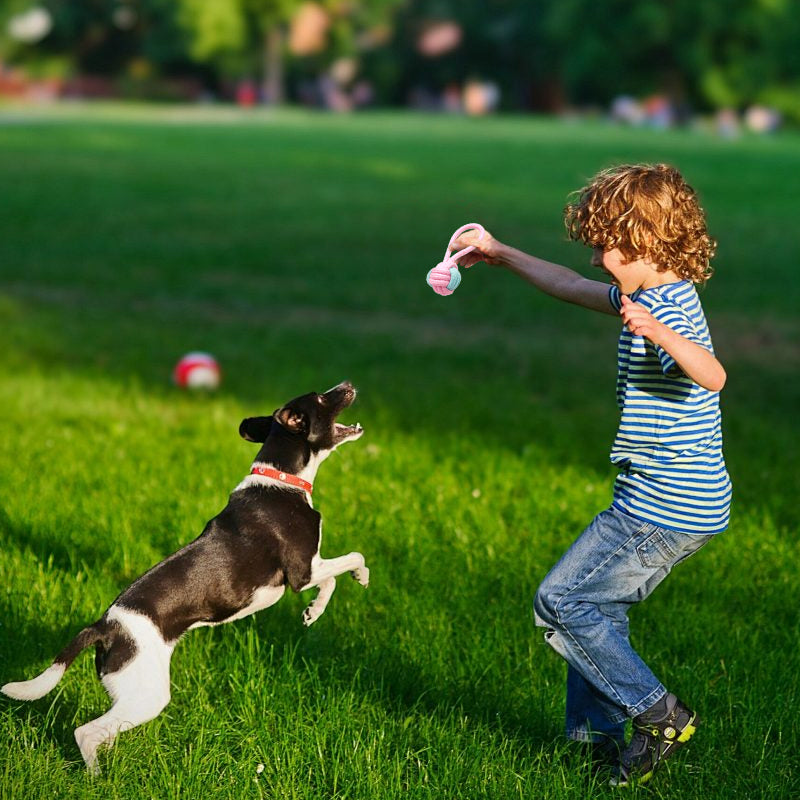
x=553, y=279
x=696, y=362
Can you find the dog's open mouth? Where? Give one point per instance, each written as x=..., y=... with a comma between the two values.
x=343, y=433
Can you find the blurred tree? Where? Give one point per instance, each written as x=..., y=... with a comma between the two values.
x=618, y=47
x=110, y=38
x=705, y=53
x=22, y=30
x=543, y=54
x=229, y=32
x=748, y=52
x=503, y=41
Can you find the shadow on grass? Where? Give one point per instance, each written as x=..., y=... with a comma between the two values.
x=500, y=402
x=507, y=388
x=55, y=549
x=387, y=677
x=345, y=661
x=501, y=386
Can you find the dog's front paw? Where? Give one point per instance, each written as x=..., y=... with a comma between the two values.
x=361, y=575
x=310, y=616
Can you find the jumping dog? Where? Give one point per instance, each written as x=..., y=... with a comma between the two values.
x=266, y=538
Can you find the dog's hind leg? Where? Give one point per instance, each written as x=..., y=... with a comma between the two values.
x=125, y=714
x=139, y=689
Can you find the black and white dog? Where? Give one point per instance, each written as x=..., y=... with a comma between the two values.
x=267, y=537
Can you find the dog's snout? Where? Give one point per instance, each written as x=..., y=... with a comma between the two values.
x=343, y=394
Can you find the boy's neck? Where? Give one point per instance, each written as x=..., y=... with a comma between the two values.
x=646, y=274
x=654, y=279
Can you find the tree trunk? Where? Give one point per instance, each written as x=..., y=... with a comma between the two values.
x=272, y=85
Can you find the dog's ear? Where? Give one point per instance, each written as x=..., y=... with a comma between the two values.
x=293, y=421
x=255, y=429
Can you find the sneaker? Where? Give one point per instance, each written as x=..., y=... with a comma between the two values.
x=657, y=734
x=604, y=756
x=601, y=757
x=605, y=752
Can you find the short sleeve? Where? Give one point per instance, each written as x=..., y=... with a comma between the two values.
x=615, y=297
x=674, y=317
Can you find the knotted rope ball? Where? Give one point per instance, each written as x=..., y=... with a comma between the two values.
x=445, y=278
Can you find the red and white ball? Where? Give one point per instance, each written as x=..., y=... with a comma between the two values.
x=197, y=371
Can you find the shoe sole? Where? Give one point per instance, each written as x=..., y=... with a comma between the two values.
x=685, y=735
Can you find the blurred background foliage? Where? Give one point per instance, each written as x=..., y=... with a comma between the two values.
x=541, y=55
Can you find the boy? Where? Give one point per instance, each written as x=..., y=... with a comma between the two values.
x=672, y=493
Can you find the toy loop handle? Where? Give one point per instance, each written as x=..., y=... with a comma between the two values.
x=463, y=229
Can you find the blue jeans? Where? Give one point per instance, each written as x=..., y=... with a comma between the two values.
x=583, y=603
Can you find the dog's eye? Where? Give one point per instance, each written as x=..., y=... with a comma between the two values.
x=321, y=399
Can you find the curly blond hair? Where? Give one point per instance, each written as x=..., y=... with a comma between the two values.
x=645, y=211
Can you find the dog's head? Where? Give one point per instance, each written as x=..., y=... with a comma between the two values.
x=310, y=418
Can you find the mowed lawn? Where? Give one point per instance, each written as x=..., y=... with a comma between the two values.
x=294, y=247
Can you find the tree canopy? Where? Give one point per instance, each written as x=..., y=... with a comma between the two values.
x=541, y=54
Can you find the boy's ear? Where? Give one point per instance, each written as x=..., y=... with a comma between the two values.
x=255, y=429
x=293, y=421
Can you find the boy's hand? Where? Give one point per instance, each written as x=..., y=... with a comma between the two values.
x=640, y=322
x=693, y=359
x=486, y=248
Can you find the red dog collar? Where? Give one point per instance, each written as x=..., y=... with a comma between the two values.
x=283, y=477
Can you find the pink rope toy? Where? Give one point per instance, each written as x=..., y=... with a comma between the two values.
x=444, y=278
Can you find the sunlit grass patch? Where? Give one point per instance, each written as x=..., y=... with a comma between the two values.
x=294, y=247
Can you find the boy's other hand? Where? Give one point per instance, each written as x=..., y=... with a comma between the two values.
x=640, y=322
x=486, y=248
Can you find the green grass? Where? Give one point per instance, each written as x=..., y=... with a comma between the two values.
x=295, y=247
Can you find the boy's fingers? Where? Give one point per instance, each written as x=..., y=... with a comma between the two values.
x=473, y=238
x=470, y=259
x=465, y=240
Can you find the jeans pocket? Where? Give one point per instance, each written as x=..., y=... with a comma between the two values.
x=656, y=551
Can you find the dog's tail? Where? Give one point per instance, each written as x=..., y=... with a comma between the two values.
x=46, y=681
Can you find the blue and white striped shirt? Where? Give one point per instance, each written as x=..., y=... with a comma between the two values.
x=669, y=443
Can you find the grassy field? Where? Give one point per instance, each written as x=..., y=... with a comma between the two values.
x=295, y=247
